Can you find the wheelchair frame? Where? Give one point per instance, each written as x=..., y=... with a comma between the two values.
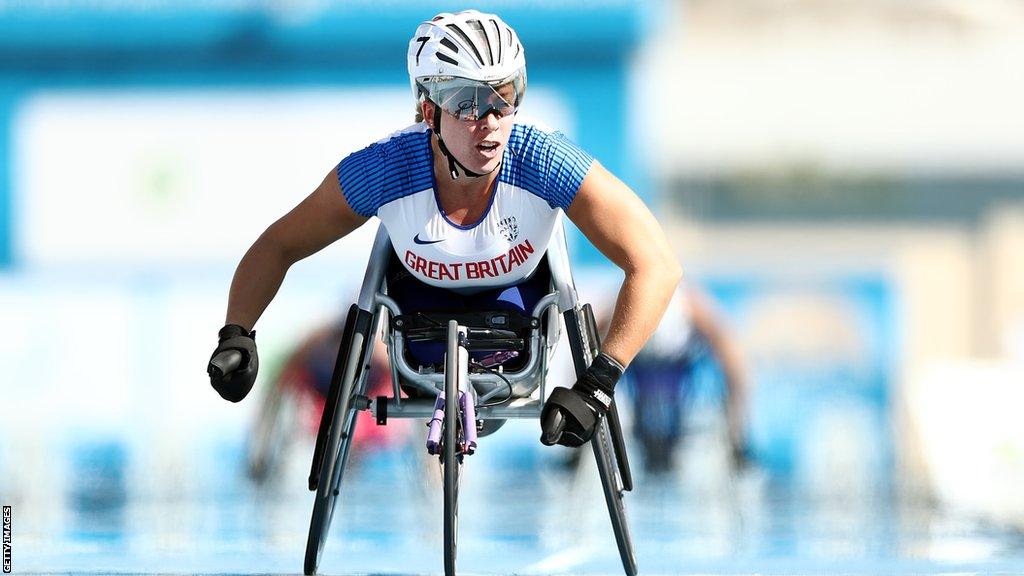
x=348, y=388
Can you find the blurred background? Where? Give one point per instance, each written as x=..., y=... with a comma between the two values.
x=844, y=179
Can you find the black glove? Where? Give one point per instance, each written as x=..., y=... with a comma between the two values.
x=571, y=415
x=232, y=375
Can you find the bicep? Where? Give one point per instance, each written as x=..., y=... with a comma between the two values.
x=320, y=219
x=617, y=222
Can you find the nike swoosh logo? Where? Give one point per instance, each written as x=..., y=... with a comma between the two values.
x=417, y=240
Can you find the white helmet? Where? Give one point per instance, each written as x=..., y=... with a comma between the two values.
x=450, y=49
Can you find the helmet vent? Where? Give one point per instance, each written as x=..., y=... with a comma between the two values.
x=465, y=39
x=446, y=58
x=478, y=27
x=497, y=31
x=450, y=45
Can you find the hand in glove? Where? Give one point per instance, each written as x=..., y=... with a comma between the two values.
x=234, y=363
x=571, y=415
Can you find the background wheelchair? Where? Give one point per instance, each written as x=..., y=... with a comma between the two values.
x=463, y=393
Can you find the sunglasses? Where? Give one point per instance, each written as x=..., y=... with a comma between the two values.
x=472, y=100
x=476, y=102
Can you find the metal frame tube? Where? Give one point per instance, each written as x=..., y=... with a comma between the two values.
x=424, y=408
x=397, y=353
x=525, y=382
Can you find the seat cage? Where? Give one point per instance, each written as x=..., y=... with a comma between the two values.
x=539, y=342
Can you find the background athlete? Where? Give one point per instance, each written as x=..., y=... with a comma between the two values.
x=662, y=377
x=470, y=199
x=293, y=402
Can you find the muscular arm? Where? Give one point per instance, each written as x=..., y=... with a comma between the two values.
x=323, y=217
x=619, y=224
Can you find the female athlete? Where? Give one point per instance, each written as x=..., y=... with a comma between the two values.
x=470, y=199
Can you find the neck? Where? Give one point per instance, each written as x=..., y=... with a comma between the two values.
x=465, y=186
x=465, y=199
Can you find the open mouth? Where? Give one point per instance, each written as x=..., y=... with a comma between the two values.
x=487, y=146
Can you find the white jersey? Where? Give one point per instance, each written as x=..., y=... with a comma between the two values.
x=393, y=179
x=673, y=339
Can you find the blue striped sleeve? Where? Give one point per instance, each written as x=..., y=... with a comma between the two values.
x=546, y=164
x=386, y=171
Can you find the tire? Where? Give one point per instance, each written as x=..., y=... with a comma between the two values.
x=607, y=467
x=615, y=476
x=451, y=458
x=335, y=458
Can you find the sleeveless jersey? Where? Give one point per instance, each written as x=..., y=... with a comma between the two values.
x=393, y=179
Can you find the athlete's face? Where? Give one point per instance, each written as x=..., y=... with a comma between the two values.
x=477, y=144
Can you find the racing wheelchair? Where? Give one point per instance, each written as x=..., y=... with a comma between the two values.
x=463, y=393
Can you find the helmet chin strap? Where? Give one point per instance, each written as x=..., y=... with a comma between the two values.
x=453, y=163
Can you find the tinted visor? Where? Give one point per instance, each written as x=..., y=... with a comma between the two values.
x=471, y=100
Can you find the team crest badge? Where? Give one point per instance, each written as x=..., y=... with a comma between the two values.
x=509, y=228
